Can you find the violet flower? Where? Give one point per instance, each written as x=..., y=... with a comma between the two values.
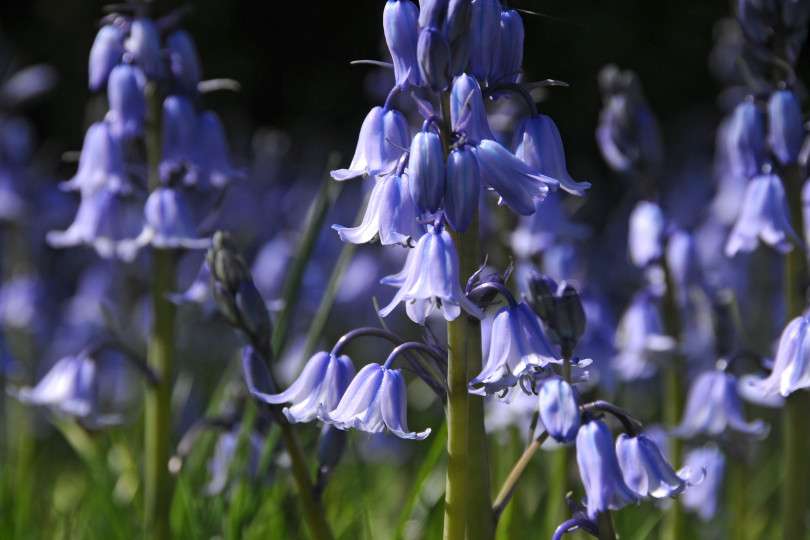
x=127, y=102
x=101, y=163
x=645, y=469
x=764, y=215
x=379, y=146
x=430, y=279
x=713, y=407
x=791, y=369
x=401, y=28
x=374, y=402
x=321, y=385
x=105, y=54
x=599, y=469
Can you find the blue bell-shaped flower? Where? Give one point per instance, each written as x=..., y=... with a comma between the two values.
x=485, y=30
x=791, y=368
x=644, y=468
x=105, y=54
x=703, y=498
x=214, y=159
x=433, y=56
x=785, y=127
x=379, y=146
x=143, y=44
x=510, y=48
x=101, y=163
x=467, y=110
x=745, y=142
x=184, y=62
x=645, y=239
x=127, y=102
x=181, y=151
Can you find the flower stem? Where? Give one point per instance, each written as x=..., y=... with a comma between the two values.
x=509, y=485
x=605, y=523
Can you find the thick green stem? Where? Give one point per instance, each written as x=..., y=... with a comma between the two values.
x=796, y=441
x=313, y=509
x=605, y=523
x=158, y=483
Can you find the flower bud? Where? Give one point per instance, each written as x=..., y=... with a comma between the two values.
x=252, y=311
x=457, y=23
x=485, y=29
x=462, y=190
x=105, y=54
x=432, y=13
x=570, y=315
x=433, y=54
x=426, y=166
x=559, y=410
x=541, y=294
x=183, y=62
x=401, y=28
x=785, y=129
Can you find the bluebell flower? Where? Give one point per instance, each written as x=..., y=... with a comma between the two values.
x=713, y=407
x=467, y=111
x=517, y=345
x=764, y=215
x=791, y=369
x=105, y=54
x=627, y=134
x=702, y=498
x=510, y=48
x=463, y=188
x=785, y=128
x=456, y=28
x=537, y=143
x=427, y=173
x=645, y=241
x=430, y=279
x=432, y=12
x=382, y=136
x=101, y=222
x=374, y=402
x=401, y=28
x=322, y=384
x=70, y=388
x=517, y=184
x=640, y=339
x=220, y=464
x=682, y=264
x=745, y=140
x=167, y=225
x=485, y=29
x=433, y=57
x=183, y=62
x=390, y=214
x=127, y=102
x=143, y=44
x=214, y=162
x=559, y=410
x=599, y=469
x=101, y=163
x=180, y=154
x=645, y=469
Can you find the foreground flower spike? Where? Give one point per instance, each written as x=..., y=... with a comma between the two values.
x=599, y=469
x=430, y=279
x=321, y=384
x=559, y=410
x=713, y=407
x=791, y=369
x=383, y=135
x=764, y=215
x=645, y=241
x=374, y=402
x=644, y=468
x=167, y=225
x=390, y=214
x=517, y=345
x=70, y=388
x=537, y=143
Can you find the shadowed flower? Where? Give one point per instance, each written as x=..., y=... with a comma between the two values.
x=183, y=61
x=713, y=407
x=321, y=384
x=374, y=402
x=745, y=140
x=105, y=54
x=599, y=469
x=645, y=469
x=702, y=498
x=70, y=388
x=763, y=215
x=430, y=279
x=127, y=102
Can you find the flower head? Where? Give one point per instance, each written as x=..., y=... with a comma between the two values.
x=374, y=402
x=430, y=279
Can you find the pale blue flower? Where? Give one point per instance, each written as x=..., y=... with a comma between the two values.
x=645, y=241
x=745, y=140
x=427, y=172
x=463, y=188
x=180, y=155
x=764, y=215
x=791, y=369
x=559, y=410
x=383, y=135
x=702, y=498
x=467, y=110
x=374, y=402
x=401, y=28
x=430, y=279
x=645, y=469
x=127, y=102
x=321, y=384
x=105, y=54
x=101, y=163
x=143, y=44
x=785, y=127
x=485, y=30
x=599, y=469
